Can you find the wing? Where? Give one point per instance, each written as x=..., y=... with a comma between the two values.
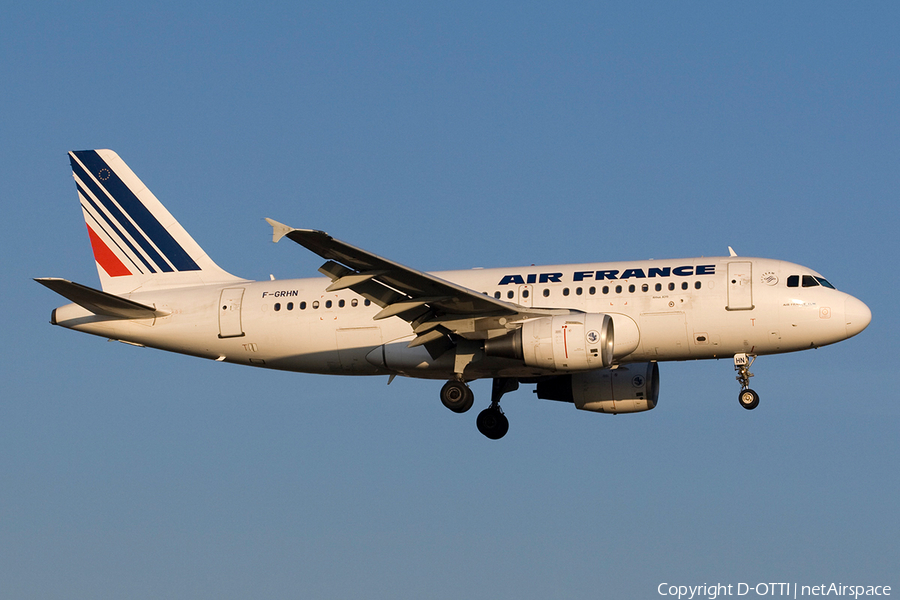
x=433, y=306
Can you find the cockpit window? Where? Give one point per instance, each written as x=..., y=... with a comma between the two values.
x=825, y=282
x=808, y=281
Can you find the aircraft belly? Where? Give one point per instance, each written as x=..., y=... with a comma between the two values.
x=353, y=345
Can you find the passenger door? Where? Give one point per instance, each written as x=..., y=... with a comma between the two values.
x=740, y=285
x=230, y=313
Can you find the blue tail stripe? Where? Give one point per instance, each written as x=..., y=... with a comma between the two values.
x=114, y=233
x=153, y=229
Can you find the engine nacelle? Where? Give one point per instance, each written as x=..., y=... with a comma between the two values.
x=626, y=389
x=562, y=343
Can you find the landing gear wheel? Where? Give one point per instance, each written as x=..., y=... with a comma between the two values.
x=457, y=396
x=748, y=399
x=492, y=423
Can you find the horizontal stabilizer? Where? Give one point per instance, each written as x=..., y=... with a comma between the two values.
x=100, y=303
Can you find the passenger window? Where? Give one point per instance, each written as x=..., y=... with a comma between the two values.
x=658, y=287
x=578, y=291
x=592, y=290
x=278, y=306
x=367, y=302
x=354, y=303
x=340, y=303
x=565, y=291
x=546, y=292
x=497, y=295
x=618, y=289
x=605, y=289
x=303, y=306
x=684, y=285
x=794, y=281
x=510, y=294
x=290, y=306
x=645, y=288
x=525, y=293
x=315, y=304
x=631, y=288
x=671, y=286
x=328, y=304
x=697, y=285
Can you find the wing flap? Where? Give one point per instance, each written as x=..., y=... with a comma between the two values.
x=348, y=281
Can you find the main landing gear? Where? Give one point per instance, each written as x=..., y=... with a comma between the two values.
x=747, y=397
x=457, y=396
x=491, y=422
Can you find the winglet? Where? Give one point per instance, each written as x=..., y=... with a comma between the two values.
x=731, y=251
x=279, y=230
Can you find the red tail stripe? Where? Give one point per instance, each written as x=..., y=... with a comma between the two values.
x=105, y=257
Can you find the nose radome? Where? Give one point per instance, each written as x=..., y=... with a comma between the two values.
x=857, y=315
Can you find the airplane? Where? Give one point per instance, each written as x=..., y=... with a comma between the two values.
x=588, y=334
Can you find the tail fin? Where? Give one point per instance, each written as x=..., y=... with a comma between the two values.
x=136, y=241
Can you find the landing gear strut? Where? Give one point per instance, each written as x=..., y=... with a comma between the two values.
x=491, y=422
x=747, y=397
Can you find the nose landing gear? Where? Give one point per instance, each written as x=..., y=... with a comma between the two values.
x=747, y=397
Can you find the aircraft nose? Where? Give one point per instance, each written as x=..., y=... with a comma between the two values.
x=857, y=315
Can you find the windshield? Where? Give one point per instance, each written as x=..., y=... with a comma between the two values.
x=808, y=281
x=824, y=282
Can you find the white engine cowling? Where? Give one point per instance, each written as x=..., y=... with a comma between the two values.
x=625, y=389
x=576, y=342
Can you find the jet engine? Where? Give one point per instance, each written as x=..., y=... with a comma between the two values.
x=561, y=343
x=625, y=389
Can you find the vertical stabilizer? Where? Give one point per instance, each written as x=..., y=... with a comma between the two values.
x=137, y=243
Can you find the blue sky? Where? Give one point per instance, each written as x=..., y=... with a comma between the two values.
x=481, y=134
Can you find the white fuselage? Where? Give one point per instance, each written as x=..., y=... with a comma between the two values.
x=662, y=310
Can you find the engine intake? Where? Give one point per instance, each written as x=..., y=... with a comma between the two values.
x=626, y=389
x=562, y=343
